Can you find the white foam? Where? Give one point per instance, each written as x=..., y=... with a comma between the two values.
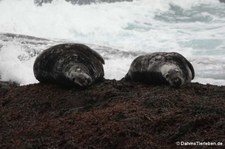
x=12, y=68
x=194, y=28
x=117, y=68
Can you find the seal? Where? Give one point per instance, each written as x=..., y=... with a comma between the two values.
x=161, y=68
x=69, y=64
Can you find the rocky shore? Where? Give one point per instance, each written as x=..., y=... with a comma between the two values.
x=111, y=114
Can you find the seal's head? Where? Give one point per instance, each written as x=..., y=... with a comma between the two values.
x=79, y=75
x=174, y=77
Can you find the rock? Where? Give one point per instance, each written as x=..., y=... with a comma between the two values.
x=110, y=114
x=6, y=86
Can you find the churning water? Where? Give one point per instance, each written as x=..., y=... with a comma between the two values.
x=194, y=28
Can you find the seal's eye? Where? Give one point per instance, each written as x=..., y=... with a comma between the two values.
x=78, y=69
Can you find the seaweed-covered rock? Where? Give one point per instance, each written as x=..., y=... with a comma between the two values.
x=111, y=114
x=5, y=87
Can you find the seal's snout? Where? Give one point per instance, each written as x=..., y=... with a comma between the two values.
x=177, y=82
x=82, y=79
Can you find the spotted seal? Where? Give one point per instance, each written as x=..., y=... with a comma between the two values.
x=69, y=64
x=161, y=68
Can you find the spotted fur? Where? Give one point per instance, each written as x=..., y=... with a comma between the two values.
x=161, y=68
x=69, y=64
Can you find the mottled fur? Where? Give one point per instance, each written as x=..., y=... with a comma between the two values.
x=69, y=64
x=161, y=68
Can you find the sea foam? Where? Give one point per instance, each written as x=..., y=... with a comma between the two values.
x=194, y=28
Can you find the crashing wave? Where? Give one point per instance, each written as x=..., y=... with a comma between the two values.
x=80, y=2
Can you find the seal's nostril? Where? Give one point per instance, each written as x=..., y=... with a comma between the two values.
x=177, y=82
x=167, y=75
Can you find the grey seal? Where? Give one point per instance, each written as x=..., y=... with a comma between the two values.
x=161, y=68
x=70, y=64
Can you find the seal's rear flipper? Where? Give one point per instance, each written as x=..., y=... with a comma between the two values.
x=191, y=68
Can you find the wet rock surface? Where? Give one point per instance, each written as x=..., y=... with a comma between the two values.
x=111, y=114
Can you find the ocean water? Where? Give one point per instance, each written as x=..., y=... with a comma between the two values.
x=119, y=30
